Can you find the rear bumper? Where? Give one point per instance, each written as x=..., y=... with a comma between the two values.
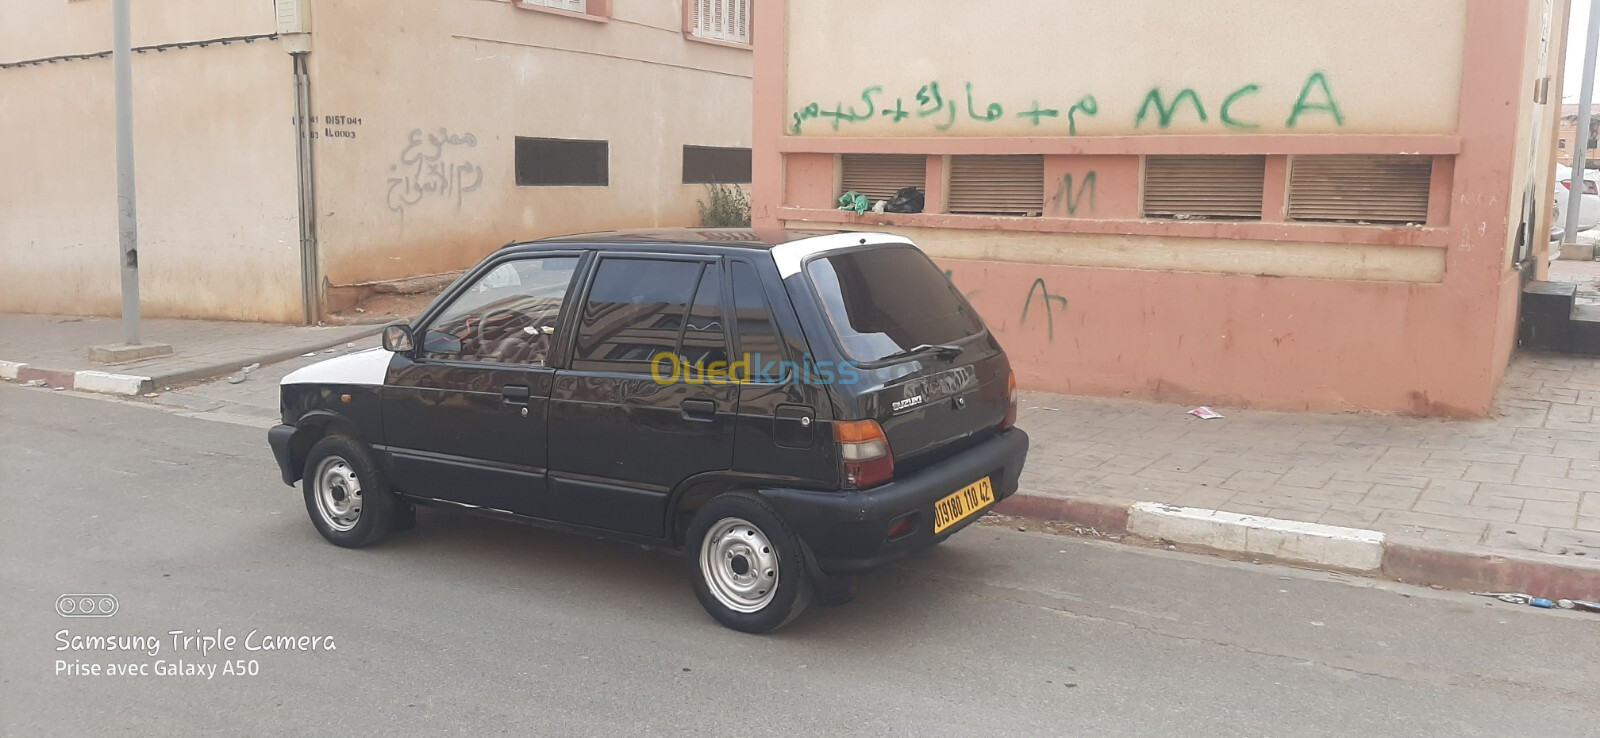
x=847, y=531
x=278, y=437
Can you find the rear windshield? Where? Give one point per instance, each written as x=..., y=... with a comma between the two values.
x=882, y=301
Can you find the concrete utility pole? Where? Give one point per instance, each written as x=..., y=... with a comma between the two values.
x=1581, y=146
x=127, y=212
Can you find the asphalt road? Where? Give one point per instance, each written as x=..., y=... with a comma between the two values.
x=469, y=626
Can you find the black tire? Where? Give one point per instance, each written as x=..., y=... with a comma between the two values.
x=376, y=514
x=793, y=576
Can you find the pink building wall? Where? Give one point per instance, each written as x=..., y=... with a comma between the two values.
x=1431, y=347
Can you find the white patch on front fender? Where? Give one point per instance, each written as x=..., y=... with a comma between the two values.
x=368, y=367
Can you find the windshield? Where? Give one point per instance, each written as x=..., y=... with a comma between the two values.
x=882, y=301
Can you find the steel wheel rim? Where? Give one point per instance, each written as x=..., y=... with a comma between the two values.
x=337, y=492
x=740, y=565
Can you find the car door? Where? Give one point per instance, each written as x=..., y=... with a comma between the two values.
x=641, y=406
x=464, y=412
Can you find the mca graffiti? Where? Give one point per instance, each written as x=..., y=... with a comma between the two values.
x=932, y=105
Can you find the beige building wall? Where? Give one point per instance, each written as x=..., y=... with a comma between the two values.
x=1389, y=69
x=214, y=139
x=478, y=74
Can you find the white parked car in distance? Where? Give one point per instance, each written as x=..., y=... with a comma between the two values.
x=1589, y=208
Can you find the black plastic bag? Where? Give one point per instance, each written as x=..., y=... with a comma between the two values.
x=907, y=200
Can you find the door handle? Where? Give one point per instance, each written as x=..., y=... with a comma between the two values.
x=701, y=410
x=515, y=394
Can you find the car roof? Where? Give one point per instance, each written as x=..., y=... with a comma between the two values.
x=749, y=238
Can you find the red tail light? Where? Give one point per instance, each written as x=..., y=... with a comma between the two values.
x=865, y=450
x=1567, y=183
x=1010, y=418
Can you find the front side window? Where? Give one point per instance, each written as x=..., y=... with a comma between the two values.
x=636, y=311
x=508, y=316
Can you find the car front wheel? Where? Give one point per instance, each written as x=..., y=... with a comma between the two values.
x=747, y=568
x=346, y=496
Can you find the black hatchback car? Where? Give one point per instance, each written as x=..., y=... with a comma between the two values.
x=786, y=409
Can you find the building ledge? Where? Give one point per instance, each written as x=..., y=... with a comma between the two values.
x=1159, y=144
x=1370, y=235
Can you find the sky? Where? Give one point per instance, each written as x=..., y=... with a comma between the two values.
x=1575, y=46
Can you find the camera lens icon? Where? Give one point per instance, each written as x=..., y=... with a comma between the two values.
x=86, y=605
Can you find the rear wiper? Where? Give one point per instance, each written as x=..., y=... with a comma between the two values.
x=940, y=350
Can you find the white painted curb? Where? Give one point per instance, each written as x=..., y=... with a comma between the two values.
x=1286, y=540
x=9, y=369
x=115, y=384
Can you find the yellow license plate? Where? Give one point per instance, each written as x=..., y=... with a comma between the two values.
x=961, y=505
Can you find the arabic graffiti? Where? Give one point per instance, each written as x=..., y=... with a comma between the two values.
x=1315, y=96
x=433, y=164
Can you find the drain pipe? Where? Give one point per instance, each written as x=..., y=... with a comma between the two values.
x=305, y=130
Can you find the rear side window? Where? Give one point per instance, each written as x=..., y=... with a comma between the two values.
x=704, y=339
x=758, y=337
x=639, y=309
x=881, y=301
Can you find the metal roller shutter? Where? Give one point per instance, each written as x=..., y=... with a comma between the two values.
x=1214, y=187
x=997, y=185
x=879, y=176
x=1360, y=189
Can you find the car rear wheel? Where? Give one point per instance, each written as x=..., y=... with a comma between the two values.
x=348, y=500
x=748, y=569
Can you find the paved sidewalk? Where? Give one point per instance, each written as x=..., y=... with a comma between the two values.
x=255, y=400
x=55, y=347
x=1525, y=480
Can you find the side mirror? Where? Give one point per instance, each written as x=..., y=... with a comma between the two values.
x=397, y=338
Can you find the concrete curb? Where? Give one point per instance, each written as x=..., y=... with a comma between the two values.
x=88, y=380
x=1346, y=549
x=1365, y=552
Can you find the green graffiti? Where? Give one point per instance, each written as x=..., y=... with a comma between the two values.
x=991, y=112
x=1064, y=194
x=927, y=95
x=839, y=113
x=1227, y=117
x=1316, y=96
x=1036, y=113
x=1088, y=106
x=807, y=113
x=1050, y=301
x=1317, y=79
x=1165, y=112
x=898, y=114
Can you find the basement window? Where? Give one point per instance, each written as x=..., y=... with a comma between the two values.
x=1360, y=189
x=879, y=176
x=715, y=165
x=997, y=185
x=558, y=162
x=1204, y=187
